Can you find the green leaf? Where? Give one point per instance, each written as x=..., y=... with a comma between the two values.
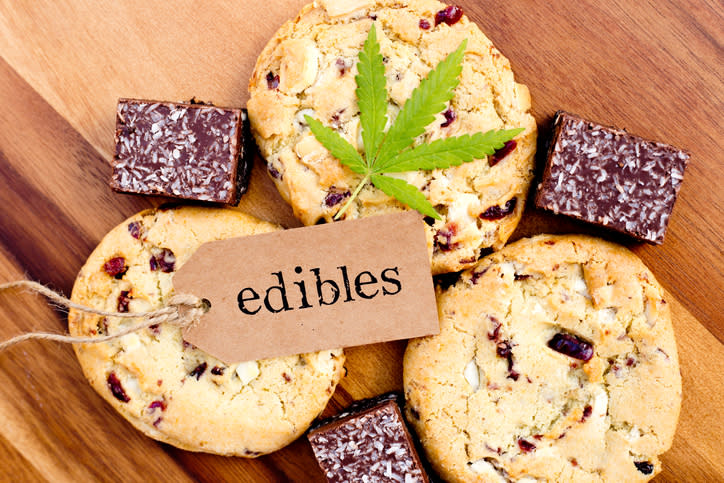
x=392, y=152
x=371, y=94
x=428, y=99
x=453, y=151
x=405, y=193
x=338, y=146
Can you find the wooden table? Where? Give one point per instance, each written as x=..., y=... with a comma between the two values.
x=654, y=67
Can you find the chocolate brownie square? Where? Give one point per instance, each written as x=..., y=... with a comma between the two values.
x=609, y=177
x=192, y=151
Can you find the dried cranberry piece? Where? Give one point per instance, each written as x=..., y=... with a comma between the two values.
x=218, y=370
x=502, y=152
x=424, y=24
x=498, y=450
x=450, y=15
x=342, y=66
x=525, y=446
x=115, y=267
x=586, y=413
x=157, y=421
x=476, y=275
x=123, y=300
x=503, y=349
x=159, y=403
x=496, y=329
x=497, y=212
x=443, y=237
x=136, y=229
x=114, y=384
x=644, y=467
x=199, y=370
x=450, y=116
x=272, y=81
x=335, y=197
x=571, y=346
x=273, y=171
x=286, y=377
x=164, y=260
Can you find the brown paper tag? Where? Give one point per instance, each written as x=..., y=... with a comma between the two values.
x=307, y=289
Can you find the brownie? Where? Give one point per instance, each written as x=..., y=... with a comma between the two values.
x=609, y=177
x=367, y=442
x=191, y=151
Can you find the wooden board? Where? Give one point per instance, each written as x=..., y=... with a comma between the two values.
x=654, y=67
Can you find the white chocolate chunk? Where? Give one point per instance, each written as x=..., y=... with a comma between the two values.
x=131, y=342
x=139, y=305
x=486, y=469
x=634, y=434
x=607, y=316
x=461, y=209
x=247, y=371
x=338, y=8
x=472, y=374
x=579, y=285
x=308, y=146
x=131, y=386
x=300, y=62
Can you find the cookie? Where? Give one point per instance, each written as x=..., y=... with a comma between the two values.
x=309, y=68
x=556, y=361
x=167, y=388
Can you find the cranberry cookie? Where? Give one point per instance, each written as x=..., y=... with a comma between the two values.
x=556, y=361
x=309, y=68
x=168, y=389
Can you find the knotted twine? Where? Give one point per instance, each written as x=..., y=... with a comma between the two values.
x=182, y=310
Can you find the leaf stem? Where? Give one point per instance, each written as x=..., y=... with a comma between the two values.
x=359, y=187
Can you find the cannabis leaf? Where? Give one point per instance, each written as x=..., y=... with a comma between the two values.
x=393, y=151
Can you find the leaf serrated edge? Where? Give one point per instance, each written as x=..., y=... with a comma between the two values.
x=339, y=147
x=427, y=100
x=405, y=193
x=371, y=95
x=451, y=151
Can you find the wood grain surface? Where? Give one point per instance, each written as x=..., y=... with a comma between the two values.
x=654, y=67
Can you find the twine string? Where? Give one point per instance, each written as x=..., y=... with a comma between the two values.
x=182, y=310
